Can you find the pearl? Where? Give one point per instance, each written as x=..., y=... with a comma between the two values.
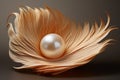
x=52, y=46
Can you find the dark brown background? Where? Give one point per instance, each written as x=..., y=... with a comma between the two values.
x=105, y=66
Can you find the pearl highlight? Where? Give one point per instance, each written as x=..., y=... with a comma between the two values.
x=52, y=46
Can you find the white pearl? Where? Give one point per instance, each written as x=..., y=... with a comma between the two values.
x=52, y=46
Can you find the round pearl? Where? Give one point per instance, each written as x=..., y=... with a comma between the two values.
x=52, y=46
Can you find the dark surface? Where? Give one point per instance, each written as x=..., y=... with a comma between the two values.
x=105, y=66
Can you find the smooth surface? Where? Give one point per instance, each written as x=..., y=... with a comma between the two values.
x=106, y=66
x=52, y=46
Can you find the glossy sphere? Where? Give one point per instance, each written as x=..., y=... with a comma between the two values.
x=52, y=46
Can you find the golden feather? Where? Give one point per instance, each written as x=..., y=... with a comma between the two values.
x=31, y=25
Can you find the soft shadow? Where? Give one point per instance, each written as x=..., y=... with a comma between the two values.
x=92, y=70
x=88, y=70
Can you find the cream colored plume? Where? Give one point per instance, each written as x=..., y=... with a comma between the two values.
x=31, y=25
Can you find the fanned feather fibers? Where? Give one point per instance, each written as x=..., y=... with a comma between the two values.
x=31, y=25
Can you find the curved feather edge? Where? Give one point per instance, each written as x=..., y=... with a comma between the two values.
x=82, y=44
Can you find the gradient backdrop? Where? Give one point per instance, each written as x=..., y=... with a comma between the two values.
x=106, y=66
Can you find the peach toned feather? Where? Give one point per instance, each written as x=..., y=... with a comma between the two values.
x=31, y=25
